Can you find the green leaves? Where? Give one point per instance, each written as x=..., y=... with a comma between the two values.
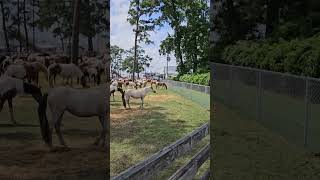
x=202, y=79
x=300, y=57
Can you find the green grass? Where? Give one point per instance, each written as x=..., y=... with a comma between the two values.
x=245, y=149
x=281, y=113
x=137, y=134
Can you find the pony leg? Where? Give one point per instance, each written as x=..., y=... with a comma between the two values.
x=142, y=103
x=58, y=131
x=56, y=122
x=126, y=98
x=11, y=110
x=103, y=132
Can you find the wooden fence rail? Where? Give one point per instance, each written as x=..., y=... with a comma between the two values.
x=153, y=165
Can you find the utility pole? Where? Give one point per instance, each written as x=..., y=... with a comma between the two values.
x=168, y=59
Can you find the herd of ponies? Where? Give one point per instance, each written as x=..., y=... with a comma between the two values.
x=137, y=89
x=20, y=75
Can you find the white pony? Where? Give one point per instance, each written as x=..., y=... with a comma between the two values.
x=137, y=94
x=79, y=102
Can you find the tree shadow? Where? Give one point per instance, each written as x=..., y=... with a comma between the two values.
x=19, y=136
x=18, y=125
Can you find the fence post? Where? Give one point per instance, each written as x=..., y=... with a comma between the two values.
x=307, y=113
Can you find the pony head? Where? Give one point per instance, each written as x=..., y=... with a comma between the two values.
x=152, y=89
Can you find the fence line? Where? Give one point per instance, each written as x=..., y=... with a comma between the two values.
x=195, y=87
x=153, y=165
x=287, y=104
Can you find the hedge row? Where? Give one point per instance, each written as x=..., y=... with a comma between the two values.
x=202, y=79
x=300, y=57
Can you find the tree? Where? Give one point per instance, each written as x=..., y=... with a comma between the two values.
x=172, y=13
x=58, y=18
x=25, y=21
x=4, y=14
x=93, y=13
x=190, y=41
x=142, y=61
x=140, y=15
x=117, y=54
x=75, y=32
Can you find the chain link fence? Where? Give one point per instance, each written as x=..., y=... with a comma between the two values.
x=195, y=92
x=195, y=87
x=287, y=104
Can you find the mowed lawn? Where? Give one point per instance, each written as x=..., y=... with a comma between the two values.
x=137, y=134
x=24, y=156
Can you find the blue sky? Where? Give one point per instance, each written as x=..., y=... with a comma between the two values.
x=123, y=36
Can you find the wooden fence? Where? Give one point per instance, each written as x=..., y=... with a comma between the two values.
x=153, y=165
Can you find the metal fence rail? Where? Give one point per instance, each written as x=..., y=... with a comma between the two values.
x=286, y=104
x=195, y=87
x=153, y=165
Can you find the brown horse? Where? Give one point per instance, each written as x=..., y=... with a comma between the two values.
x=10, y=87
x=161, y=84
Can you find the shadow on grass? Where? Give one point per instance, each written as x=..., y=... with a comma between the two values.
x=18, y=125
x=81, y=132
x=19, y=136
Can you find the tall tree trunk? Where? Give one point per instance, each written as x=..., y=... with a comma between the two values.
x=19, y=33
x=135, y=63
x=178, y=36
x=272, y=16
x=4, y=27
x=25, y=25
x=90, y=44
x=75, y=32
x=33, y=26
x=62, y=43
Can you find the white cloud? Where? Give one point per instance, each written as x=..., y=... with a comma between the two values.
x=123, y=36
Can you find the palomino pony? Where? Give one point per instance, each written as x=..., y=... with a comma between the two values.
x=79, y=102
x=136, y=93
x=10, y=87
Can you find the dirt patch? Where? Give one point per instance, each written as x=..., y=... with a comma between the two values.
x=161, y=98
x=24, y=162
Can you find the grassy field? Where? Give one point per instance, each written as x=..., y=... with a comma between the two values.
x=24, y=156
x=280, y=113
x=137, y=134
x=255, y=152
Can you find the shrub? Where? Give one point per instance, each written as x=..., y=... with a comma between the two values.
x=202, y=79
x=298, y=56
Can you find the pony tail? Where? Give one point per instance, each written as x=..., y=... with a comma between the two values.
x=165, y=85
x=44, y=124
